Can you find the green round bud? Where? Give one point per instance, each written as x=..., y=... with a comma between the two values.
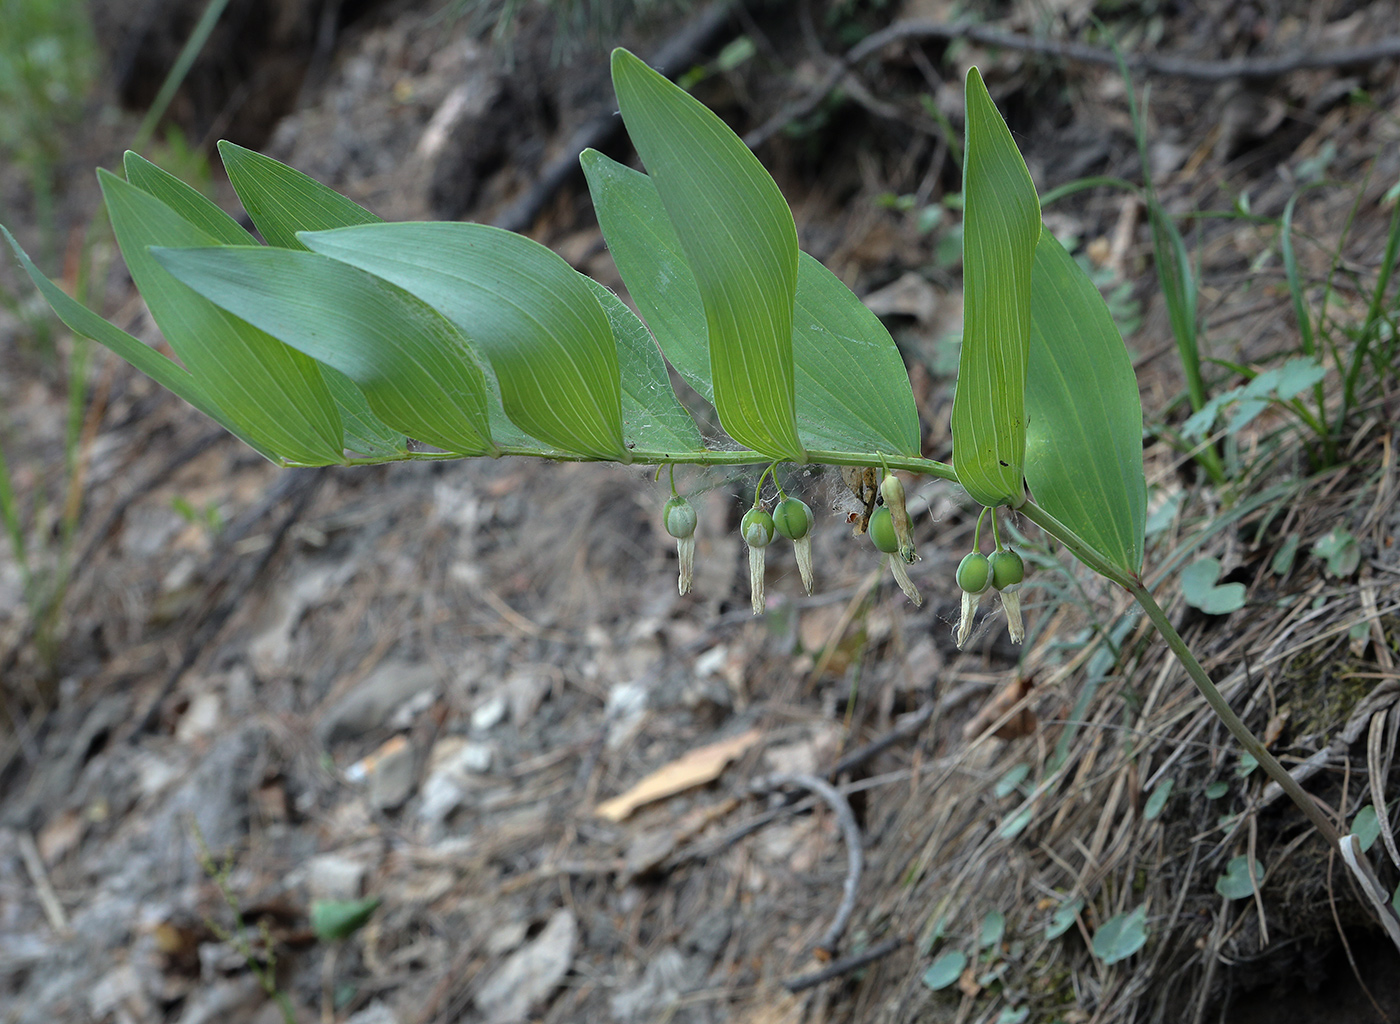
x=679, y=518
x=792, y=518
x=881, y=530
x=756, y=528
x=892, y=490
x=1007, y=569
x=974, y=572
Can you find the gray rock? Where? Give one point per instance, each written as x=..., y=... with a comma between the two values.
x=490, y=712
x=531, y=973
x=667, y=977
x=332, y=876
x=375, y=1013
x=392, y=777
x=374, y=699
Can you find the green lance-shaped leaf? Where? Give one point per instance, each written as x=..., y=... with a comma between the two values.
x=412, y=365
x=653, y=420
x=165, y=372
x=282, y=200
x=275, y=394
x=363, y=432
x=537, y=321
x=1001, y=224
x=188, y=202
x=852, y=390
x=648, y=254
x=1084, y=438
x=741, y=243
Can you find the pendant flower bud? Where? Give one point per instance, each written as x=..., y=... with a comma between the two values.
x=1007, y=573
x=881, y=530
x=757, y=530
x=892, y=490
x=793, y=519
x=882, y=535
x=678, y=516
x=974, y=578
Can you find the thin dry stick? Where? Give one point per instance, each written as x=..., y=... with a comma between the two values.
x=855, y=853
x=1174, y=67
x=843, y=966
x=1378, y=768
x=43, y=888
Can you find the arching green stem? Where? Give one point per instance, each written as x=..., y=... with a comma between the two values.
x=1251, y=743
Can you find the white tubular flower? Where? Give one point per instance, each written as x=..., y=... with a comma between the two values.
x=757, y=530
x=1011, y=601
x=793, y=519
x=975, y=579
x=679, y=519
x=1007, y=573
x=901, y=576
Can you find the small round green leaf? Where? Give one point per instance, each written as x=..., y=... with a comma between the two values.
x=1234, y=884
x=1366, y=826
x=945, y=970
x=1200, y=590
x=1062, y=920
x=1121, y=936
x=339, y=919
x=1158, y=800
x=993, y=929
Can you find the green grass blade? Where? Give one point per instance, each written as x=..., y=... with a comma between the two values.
x=851, y=389
x=538, y=323
x=741, y=243
x=273, y=392
x=163, y=371
x=175, y=77
x=1295, y=283
x=1001, y=224
x=653, y=420
x=282, y=200
x=1084, y=440
x=412, y=365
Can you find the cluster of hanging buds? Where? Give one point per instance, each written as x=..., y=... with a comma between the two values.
x=889, y=529
x=977, y=574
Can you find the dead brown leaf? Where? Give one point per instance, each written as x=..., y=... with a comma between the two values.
x=699, y=766
x=1022, y=723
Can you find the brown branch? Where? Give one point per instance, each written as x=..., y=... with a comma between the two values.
x=674, y=57
x=843, y=966
x=855, y=853
x=1153, y=64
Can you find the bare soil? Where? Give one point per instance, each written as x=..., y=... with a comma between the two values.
x=419, y=682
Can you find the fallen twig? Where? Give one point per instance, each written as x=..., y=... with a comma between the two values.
x=843, y=966
x=855, y=853
x=1153, y=64
x=675, y=56
x=43, y=888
